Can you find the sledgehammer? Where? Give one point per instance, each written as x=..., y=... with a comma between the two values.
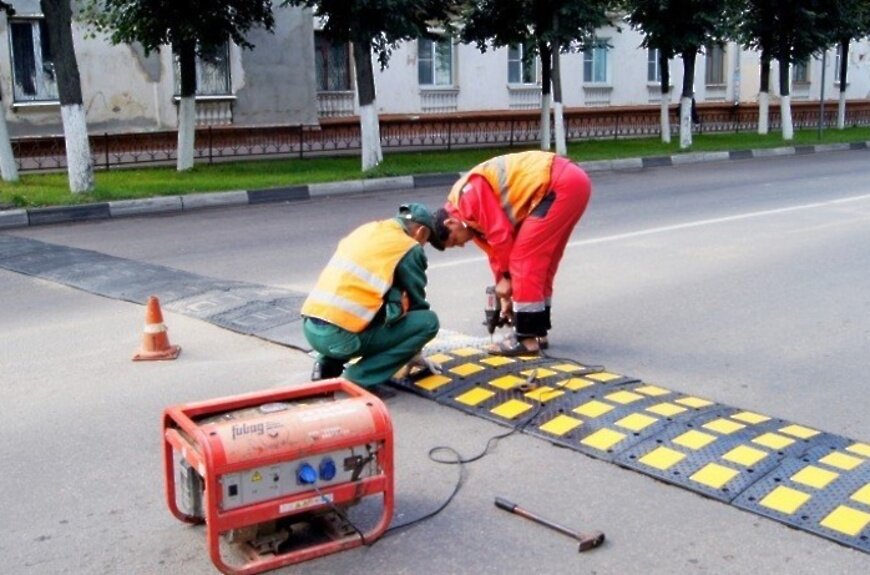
x=587, y=540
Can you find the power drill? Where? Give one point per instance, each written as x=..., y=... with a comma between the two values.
x=492, y=313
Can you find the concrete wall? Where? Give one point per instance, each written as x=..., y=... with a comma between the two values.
x=125, y=90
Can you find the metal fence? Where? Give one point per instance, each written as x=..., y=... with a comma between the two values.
x=336, y=136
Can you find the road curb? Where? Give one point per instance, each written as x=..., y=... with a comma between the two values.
x=26, y=217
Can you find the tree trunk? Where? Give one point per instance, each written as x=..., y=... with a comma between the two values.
x=764, y=94
x=186, y=51
x=558, y=115
x=370, y=131
x=686, y=98
x=80, y=167
x=843, y=71
x=665, y=72
x=544, y=50
x=785, y=101
x=8, y=169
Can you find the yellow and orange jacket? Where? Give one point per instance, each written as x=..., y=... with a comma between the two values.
x=350, y=290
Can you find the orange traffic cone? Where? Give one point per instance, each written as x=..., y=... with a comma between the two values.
x=155, y=342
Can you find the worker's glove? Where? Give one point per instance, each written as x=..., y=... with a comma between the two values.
x=423, y=362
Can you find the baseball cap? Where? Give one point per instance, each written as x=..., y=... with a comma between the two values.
x=420, y=214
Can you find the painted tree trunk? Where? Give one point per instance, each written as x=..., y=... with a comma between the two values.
x=764, y=95
x=558, y=115
x=80, y=167
x=370, y=132
x=843, y=76
x=544, y=51
x=665, y=73
x=186, y=50
x=686, y=99
x=8, y=169
x=785, y=102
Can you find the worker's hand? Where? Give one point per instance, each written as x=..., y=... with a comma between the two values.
x=503, y=289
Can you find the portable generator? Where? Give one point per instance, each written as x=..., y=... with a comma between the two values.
x=273, y=475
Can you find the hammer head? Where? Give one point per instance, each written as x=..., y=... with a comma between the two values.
x=590, y=540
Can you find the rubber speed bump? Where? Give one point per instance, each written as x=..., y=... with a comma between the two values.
x=826, y=492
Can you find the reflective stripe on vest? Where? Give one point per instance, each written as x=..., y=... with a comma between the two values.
x=520, y=181
x=350, y=289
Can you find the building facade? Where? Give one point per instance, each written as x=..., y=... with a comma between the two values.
x=296, y=76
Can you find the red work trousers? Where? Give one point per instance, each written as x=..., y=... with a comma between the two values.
x=540, y=243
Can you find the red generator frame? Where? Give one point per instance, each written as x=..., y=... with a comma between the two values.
x=271, y=473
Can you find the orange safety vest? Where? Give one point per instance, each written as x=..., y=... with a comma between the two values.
x=520, y=181
x=350, y=290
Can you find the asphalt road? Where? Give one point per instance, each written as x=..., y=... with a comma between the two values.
x=746, y=282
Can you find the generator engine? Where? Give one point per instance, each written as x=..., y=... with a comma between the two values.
x=273, y=475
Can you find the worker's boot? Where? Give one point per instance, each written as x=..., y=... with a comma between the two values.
x=326, y=368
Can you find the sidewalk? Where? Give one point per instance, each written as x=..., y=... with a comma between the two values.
x=22, y=217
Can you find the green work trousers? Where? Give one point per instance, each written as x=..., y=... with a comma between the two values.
x=382, y=349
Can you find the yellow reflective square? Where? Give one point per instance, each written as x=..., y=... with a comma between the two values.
x=784, y=499
x=860, y=449
x=862, y=495
x=576, y=383
x=511, y=409
x=475, y=396
x=750, y=417
x=723, y=426
x=636, y=421
x=662, y=458
x=603, y=439
x=841, y=461
x=560, y=425
x=466, y=369
x=507, y=381
x=745, y=455
x=603, y=376
x=694, y=439
x=799, y=431
x=567, y=367
x=623, y=397
x=652, y=390
x=666, y=409
x=714, y=475
x=593, y=408
x=440, y=357
x=846, y=520
x=773, y=440
x=432, y=382
x=498, y=360
x=814, y=476
x=466, y=351
x=538, y=372
x=544, y=394
x=694, y=402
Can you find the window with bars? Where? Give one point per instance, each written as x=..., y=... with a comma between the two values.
x=33, y=76
x=435, y=62
x=800, y=72
x=595, y=63
x=522, y=65
x=331, y=65
x=715, y=65
x=212, y=72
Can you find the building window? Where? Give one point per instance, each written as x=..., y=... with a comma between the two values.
x=653, y=71
x=715, y=65
x=801, y=73
x=522, y=66
x=435, y=62
x=212, y=72
x=33, y=77
x=595, y=69
x=838, y=54
x=331, y=65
